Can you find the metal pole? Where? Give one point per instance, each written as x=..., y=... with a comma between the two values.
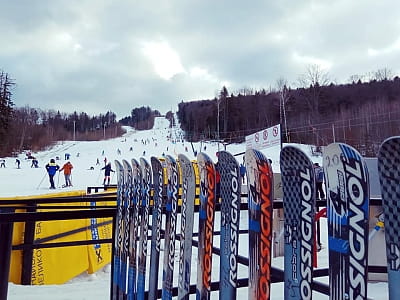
x=27, y=254
x=74, y=130
x=40, y=183
x=6, y=233
x=58, y=179
x=112, y=286
x=218, y=122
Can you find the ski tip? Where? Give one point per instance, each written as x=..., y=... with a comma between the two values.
x=144, y=163
x=134, y=162
x=126, y=164
x=117, y=164
x=203, y=157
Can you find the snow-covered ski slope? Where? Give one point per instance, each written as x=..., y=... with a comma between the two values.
x=155, y=142
x=83, y=155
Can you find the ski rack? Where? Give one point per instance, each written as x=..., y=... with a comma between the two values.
x=9, y=216
x=277, y=274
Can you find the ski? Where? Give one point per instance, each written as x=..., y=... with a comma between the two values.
x=158, y=183
x=187, y=210
x=136, y=196
x=171, y=208
x=145, y=203
x=230, y=216
x=126, y=227
x=131, y=242
x=260, y=197
x=389, y=177
x=206, y=225
x=117, y=260
x=347, y=192
x=298, y=183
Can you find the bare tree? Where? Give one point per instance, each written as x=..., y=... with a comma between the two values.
x=25, y=119
x=356, y=78
x=383, y=74
x=246, y=91
x=312, y=81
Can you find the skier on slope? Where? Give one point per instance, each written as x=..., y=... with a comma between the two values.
x=67, y=167
x=52, y=168
x=242, y=170
x=107, y=171
x=319, y=180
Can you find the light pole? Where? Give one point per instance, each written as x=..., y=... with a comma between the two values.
x=104, y=131
x=74, y=130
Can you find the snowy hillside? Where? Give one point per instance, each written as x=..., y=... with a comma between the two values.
x=84, y=155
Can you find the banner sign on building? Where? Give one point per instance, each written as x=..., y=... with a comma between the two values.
x=265, y=138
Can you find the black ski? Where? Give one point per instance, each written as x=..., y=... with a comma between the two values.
x=298, y=183
x=230, y=216
x=389, y=176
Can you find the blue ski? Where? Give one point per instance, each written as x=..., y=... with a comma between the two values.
x=230, y=216
x=347, y=192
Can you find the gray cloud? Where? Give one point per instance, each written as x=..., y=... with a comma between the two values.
x=99, y=55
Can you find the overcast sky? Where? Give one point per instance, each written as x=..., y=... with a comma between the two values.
x=100, y=55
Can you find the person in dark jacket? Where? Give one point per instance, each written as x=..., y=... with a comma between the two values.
x=107, y=171
x=52, y=168
x=242, y=170
x=319, y=181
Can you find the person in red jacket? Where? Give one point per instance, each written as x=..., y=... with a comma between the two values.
x=67, y=167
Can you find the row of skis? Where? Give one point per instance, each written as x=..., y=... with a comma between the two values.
x=141, y=189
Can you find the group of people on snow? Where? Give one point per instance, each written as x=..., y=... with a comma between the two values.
x=18, y=163
x=52, y=169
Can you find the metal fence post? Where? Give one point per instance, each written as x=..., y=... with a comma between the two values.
x=6, y=233
x=27, y=256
